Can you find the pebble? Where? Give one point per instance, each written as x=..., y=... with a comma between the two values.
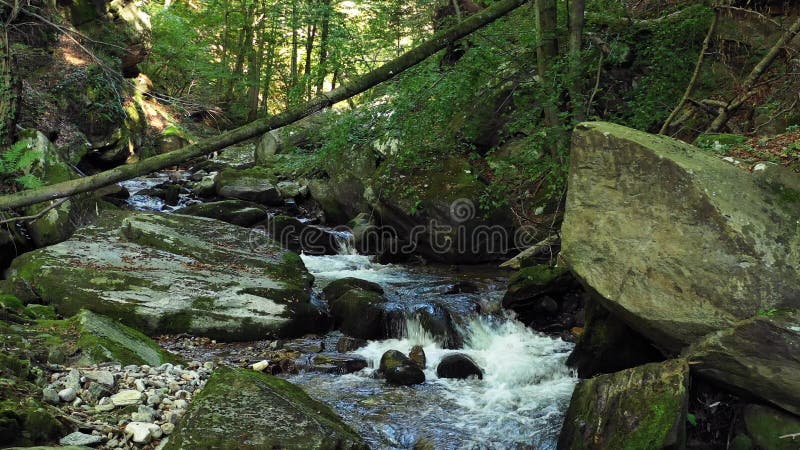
x=79, y=439
x=168, y=427
x=153, y=399
x=68, y=394
x=126, y=397
x=181, y=404
x=139, y=385
x=144, y=414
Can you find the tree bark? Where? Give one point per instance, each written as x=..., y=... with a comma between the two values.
x=695, y=75
x=750, y=81
x=347, y=90
x=323, y=45
x=547, y=51
x=293, y=74
x=576, y=22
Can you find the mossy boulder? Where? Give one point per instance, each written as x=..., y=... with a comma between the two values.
x=243, y=409
x=26, y=421
x=337, y=288
x=640, y=408
x=236, y=212
x=756, y=357
x=437, y=211
x=359, y=313
x=164, y=273
x=458, y=366
x=253, y=185
x=767, y=427
x=676, y=241
x=58, y=223
x=299, y=236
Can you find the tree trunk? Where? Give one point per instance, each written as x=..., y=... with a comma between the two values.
x=323, y=45
x=546, y=53
x=695, y=75
x=244, y=48
x=293, y=70
x=254, y=71
x=750, y=81
x=8, y=101
x=206, y=146
x=225, y=47
x=576, y=21
x=311, y=34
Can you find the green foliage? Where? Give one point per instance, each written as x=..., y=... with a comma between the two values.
x=692, y=419
x=16, y=164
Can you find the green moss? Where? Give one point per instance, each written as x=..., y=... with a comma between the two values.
x=540, y=275
x=766, y=425
x=10, y=302
x=719, y=141
x=29, y=421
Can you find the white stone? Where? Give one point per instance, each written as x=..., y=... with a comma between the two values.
x=142, y=432
x=126, y=397
x=79, y=439
x=260, y=366
x=139, y=384
x=103, y=377
x=67, y=395
x=168, y=428
x=181, y=404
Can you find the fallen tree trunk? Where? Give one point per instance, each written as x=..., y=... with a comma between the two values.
x=389, y=70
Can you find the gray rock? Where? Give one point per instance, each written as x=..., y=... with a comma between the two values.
x=144, y=414
x=142, y=432
x=80, y=439
x=126, y=397
x=68, y=394
x=101, y=376
x=50, y=395
x=248, y=184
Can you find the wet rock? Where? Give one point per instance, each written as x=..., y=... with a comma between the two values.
x=250, y=184
x=754, y=358
x=221, y=280
x=286, y=417
x=237, y=212
x=458, y=366
x=338, y=363
x=205, y=188
x=289, y=189
x=167, y=191
x=436, y=319
x=337, y=288
x=674, y=239
x=347, y=344
x=79, y=439
x=399, y=370
x=643, y=407
x=417, y=354
x=358, y=313
x=298, y=236
x=462, y=287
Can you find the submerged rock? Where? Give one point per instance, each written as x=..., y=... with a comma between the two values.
x=640, y=408
x=173, y=274
x=458, y=366
x=399, y=370
x=759, y=357
x=678, y=242
x=242, y=409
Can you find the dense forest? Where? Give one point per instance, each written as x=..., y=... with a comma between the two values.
x=434, y=224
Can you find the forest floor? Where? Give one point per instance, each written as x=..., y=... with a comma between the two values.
x=783, y=149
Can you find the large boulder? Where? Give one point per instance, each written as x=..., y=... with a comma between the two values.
x=165, y=273
x=759, y=357
x=247, y=410
x=640, y=408
x=359, y=313
x=677, y=242
x=458, y=366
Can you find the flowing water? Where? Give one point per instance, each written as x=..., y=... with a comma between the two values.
x=519, y=403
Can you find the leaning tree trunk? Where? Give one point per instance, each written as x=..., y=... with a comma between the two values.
x=387, y=71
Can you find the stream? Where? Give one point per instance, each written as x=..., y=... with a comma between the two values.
x=519, y=403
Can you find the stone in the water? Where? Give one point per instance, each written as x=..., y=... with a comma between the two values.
x=358, y=313
x=260, y=366
x=250, y=184
x=142, y=432
x=247, y=410
x=236, y=212
x=640, y=408
x=337, y=288
x=347, y=344
x=127, y=397
x=458, y=366
x=399, y=370
x=79, y=439
x=436, y=319
x=417, y=354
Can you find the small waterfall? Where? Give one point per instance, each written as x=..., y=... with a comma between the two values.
x=345, y=243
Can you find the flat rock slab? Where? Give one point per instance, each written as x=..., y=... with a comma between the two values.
x=246, y=410
x=678, y=242
x=760, y=357
x=640, y=408
x=165, y=273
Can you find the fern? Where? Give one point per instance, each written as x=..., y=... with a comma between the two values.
x=17, y=162
x=10, y=158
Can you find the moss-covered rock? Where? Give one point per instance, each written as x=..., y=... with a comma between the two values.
x=26, y=421
x=640, y=408
x=768, y=428
x=337, y=288
x=359, y=313
x=253, y=185
x=242, y=409
x=757, y=357
x=678, y=242
x=237, y=212
x=165, y=273
x=399, y=369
